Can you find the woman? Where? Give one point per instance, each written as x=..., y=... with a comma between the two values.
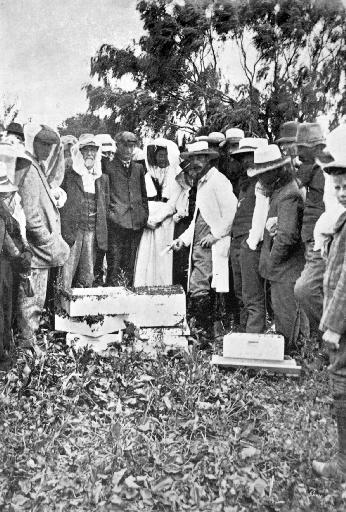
x=167, y=204
x=282, y=254
x=84, y=215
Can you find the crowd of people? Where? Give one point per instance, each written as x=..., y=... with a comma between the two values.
x=253, y=231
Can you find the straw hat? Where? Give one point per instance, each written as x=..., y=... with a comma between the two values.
x=199, y=148
x=249, y=145
x=267, y=158
x=336, y=144
x=215, y=138
x=288, y=132
x=232, y=135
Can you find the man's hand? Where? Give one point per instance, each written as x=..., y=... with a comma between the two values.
x=177, y=244
x=332, y=339
x=208, y=241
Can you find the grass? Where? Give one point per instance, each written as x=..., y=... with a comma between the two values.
x=80, y=432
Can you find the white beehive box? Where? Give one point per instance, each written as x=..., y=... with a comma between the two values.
x=268, y=347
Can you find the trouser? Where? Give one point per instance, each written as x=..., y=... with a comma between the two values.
x=237, y=279
x=29, y=309
x=99, y=271
x=6, y=285
x=121, y=256
x=338, y=387
x=78, y=270
x=287, y=313
x=253, y=291
x=309, y=287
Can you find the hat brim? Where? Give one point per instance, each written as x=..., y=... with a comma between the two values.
x=89, y=144
x=262, y=168
x=243, y=151
x=312, y=144
x=207, y=152
x=335, y=167
x=8, y=187
x=286, y=140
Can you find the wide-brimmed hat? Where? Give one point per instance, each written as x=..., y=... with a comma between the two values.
x=17, y=129
x=310, y=135
x=232, y=135
x=87, y=139
x=249, y=145
x=5, y=184
x=267, y=158
x=14, y=157
x=336, y=144
x=288, y=132
x=201, y=138
x=215, y=138
x=199, y=148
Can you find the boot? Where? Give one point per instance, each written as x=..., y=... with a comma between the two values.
x=201, y=312
x=336, y=468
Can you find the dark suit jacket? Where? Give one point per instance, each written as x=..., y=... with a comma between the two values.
x=71, y=212
x=282, y=257
x=128, y=195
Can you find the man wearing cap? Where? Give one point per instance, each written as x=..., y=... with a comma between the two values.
x=128, y=213
x=248, y=283
x=43, y=228
x=84, y=215
x=309, y=287
x=208, y=235
x=282, y=253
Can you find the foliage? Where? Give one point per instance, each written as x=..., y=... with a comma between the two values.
x=82, y=123
x=299, y=48
x=300, y=54
x=8, y=111
x=125, y=432
x=174, y=67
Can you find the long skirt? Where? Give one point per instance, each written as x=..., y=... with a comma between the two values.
x=154, y=263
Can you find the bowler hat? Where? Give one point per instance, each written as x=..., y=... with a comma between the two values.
x=232, y=135
x=310, y=135
x=16, y=129
x=267, y=158
x=199, y=148
x=288, y=132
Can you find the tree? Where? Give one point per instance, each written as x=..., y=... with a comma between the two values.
x=82, y=123
x=174, y=68
x=300, y=54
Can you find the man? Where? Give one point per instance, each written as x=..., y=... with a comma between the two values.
x=248, y=284
x=208, y=235
x=287, y=140
x=15, y=130
x=309, y=287
x=128, y=210
x=43, y=228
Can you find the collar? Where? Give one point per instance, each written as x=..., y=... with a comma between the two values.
x=207, y=176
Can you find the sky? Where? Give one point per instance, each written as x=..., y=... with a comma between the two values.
x=46, y=46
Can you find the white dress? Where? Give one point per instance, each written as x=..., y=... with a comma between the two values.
x=154, y=263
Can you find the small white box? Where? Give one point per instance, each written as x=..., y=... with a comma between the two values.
x=270, y=347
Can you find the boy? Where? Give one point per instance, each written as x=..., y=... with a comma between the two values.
x=333, y=322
